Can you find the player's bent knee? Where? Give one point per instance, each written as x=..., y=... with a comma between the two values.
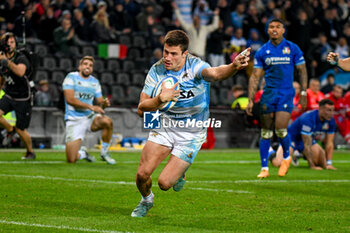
x=164, y=185
x=266, y=133
x=281, y=133
x=71, y=160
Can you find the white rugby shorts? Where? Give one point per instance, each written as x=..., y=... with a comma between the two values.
x=77, y=129
x=184, y=145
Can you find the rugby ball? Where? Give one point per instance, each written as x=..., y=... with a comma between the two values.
x=169, y=82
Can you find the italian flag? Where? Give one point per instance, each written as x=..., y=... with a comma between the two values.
x=112, y=51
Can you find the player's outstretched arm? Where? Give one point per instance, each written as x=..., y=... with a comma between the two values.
x=307, y=139
x=333, y=59
x=252, y=88
x=223, y=72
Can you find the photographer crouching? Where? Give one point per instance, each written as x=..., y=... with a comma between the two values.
x=16, y=68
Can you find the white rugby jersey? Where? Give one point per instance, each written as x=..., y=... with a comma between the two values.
x=193, y=102
x=85, y=90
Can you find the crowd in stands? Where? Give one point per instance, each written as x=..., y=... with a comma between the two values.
x=61, y=31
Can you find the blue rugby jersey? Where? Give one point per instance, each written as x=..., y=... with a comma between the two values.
x=309, y=123
x=193, y=102
x=85, y=90
x=278, y=63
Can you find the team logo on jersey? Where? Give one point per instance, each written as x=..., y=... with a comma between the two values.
x=186, y=94
x=286, y=50
x=268, y=61
x=190, y=155
x=325, y=126
x=151, y=120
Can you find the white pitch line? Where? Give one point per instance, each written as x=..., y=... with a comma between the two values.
x=113, y=182
x=221, y=190
x=32, y=162
x=268, y=181
x=56, y=227
x=136, y=162
x=68, y=179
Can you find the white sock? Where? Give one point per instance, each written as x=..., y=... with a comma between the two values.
x=82, y=154
x=265, y=168
x=149, y=198
x=104, y=148
x=287, y=158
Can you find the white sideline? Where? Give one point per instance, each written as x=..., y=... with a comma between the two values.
x=268, y=181
x=136, y=162
x=56, y=227
x=221, y=190
x=115, y=182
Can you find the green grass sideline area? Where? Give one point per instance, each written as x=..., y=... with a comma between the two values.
x=222, y=195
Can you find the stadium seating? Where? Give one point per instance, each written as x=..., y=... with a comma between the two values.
x=125, y=39
x=41, y=49
x=107, y=78
x=66, y=64
x=138, y=79
x=123, y=79
x=113, y=65
x=134, y=53
x=106, y=89
x=99, y=65
x=58, y=76
x=41, y=75
x=128, y=65
x=133, y=95
x=88, y=50
x=49, y=63
x=139, y=41
x=214, y=100
x=75, y=51
x=223, y=96
x=118, y=95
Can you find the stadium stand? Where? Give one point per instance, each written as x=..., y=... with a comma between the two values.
x=113, y=65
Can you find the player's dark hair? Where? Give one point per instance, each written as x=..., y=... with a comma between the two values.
x=277, y=20
x=177, y=38
x=87, y=58
x=325, y=102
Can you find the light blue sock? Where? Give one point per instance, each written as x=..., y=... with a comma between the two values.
x=285, y=143
x=264, y=152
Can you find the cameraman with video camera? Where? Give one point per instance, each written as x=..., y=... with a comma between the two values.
x=16, y=69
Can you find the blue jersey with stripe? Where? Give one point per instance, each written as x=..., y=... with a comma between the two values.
x=278, y=63
x=309, y=123
x=193, y=102
x=85, y=90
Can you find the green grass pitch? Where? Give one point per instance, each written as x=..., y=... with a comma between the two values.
x=222, y=195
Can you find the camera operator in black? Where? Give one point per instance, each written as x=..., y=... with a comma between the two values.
x=16, y=68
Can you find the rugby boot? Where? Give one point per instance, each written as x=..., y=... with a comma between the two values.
x=263, y=174
x=179, y=184
x=141, y=209
x=29, y=156
x=284, y=167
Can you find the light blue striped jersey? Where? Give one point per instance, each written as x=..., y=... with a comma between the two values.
x=193, y=102
x=85, y=90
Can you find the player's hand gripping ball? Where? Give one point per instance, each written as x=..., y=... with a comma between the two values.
x=169, y=82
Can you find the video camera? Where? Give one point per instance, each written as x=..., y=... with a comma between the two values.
x=4, y=47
